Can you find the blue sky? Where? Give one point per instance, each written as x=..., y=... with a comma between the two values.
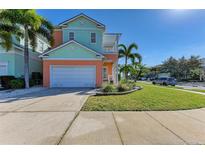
x=158, y=33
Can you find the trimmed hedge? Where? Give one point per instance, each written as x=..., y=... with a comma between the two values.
x=5, y=81
x=123, y=87
x=16, y=84
x=109, y=88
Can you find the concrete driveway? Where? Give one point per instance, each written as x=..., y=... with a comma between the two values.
x=41, y=117
x=53, y=117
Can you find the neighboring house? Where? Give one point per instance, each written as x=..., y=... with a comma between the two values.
x=12, y=61
x=84, y=55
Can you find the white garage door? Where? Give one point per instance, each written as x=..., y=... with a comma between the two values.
x=3, y=68
x=72, y=76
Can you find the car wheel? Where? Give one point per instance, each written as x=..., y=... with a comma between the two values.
x=153, y=83
x=164, y=84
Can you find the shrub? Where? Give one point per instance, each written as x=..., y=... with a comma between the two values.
x=5, y=81
x=32, y=83
x=123, y=87
x=36, y=77
x=16, y=84
x=109, y=88
x=123, y=81
x=130, y=83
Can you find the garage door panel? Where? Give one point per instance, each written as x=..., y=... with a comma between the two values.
x=73, y=76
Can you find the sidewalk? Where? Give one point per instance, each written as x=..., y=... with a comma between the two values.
x=155, y=127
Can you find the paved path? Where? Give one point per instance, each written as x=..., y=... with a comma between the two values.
x=53, y=117
x=156, y=127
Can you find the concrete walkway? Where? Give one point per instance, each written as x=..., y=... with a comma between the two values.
x=160, y=127
x=53, y=117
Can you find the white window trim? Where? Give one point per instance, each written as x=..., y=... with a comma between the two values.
x=105, y=79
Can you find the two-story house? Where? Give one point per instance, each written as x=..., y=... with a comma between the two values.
x=12, y=61
x=84, y=55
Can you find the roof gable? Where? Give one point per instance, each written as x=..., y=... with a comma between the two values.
x=73, y=50
x=83, y=18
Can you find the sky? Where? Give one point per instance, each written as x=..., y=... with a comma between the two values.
x=159, y=34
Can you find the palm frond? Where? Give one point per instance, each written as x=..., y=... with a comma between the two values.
x=122, y=46
x=6, y=40
x=11, y=16
x=132, y=46
x=121, y=53
x=138, y=56
x=6, y=33
x=45, y=33
x=33, y=39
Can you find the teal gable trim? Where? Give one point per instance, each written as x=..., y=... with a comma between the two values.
x=82, y=29
x=72, y=51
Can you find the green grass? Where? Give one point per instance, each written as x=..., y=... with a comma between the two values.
x=151, y=97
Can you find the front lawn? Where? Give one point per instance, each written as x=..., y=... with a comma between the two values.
x=151, y=97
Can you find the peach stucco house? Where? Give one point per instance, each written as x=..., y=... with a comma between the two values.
x=84, y=55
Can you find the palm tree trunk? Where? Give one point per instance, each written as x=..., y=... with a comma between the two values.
x=125, y=67
x=26, y=58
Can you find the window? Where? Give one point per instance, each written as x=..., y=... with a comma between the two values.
x=3, y=68
x=105, y=73
x=71, y=36
x=93, y=37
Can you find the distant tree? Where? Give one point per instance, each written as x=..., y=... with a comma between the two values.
x=182, y=68
x=170, y=66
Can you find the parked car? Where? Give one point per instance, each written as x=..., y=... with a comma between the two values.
x=165, y=81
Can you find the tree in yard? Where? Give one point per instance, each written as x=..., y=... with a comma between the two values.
x=26, y=24
x=126, y=52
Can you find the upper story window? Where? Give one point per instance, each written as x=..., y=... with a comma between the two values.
x=93, y=37
x=41, y=46
x=71, y=35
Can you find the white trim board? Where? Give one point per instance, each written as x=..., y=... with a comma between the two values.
x=88, y=59
x=71, y=41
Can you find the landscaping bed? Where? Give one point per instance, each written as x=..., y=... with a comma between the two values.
x=101, y=93
x=150, y=98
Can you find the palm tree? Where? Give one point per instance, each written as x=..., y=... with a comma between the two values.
x=25, y=24
x=126, y=52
